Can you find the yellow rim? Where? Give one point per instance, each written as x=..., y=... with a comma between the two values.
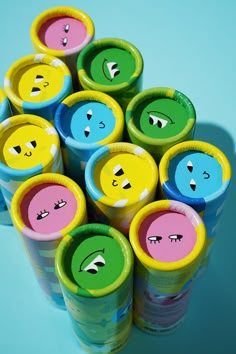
x=168, y=205
x=58, y=12
x=106, y=100
x=32, y=119
x=30, y=60
x=57, y=178
x=119, y=147
x=197, y=146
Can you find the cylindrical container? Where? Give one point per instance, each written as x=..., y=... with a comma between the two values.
x=168, y=239
x=159, y=118
x=5, y=108
x=29, y=145
x=44, y=209
x=94, y=264
x=198, y=174
x=113, y=66
x=36, y=84
x=120, y=179
x=5, y=112
x=62, y=31
x=85, y=121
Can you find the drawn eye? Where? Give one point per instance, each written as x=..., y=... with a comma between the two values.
x=160, y=122
x=112, y=68
x=43, y=214
x=87, y=131
x=64, y=41
x=190, y=166
x=192, y=184
x=66, y=28
x=125, y=184
x=15, y=150
x=31, y=144
x=60, y=204
x=118, y=171
x=89, y=114
x=154, y=239
x=35, y=91
x=175, y=238
x=38, y=78
x=92, y=267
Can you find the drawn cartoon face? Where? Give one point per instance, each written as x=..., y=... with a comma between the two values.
x=112, y=66
x=24, y=146
x=39, y=83
x=161, y=118
x=91, y=122
x=125, y=176
x=62, y=33
x=196, y=174
x=167, y=236
x=97, y=262
x=48, y=208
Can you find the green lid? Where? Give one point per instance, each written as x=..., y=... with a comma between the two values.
x=160, y=116
x=93, y=260
x=109, y=65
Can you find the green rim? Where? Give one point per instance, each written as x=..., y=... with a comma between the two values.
x=104, y=43
x=156, y=93
x=65, y=248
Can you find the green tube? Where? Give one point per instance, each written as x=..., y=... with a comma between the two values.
x=94, y=264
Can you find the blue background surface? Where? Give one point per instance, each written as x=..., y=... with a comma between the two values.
x=187, y=45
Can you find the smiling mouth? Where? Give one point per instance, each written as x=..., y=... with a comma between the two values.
x=114, y=183
x=28, y=154
x=101, y=125
x=206, y=174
